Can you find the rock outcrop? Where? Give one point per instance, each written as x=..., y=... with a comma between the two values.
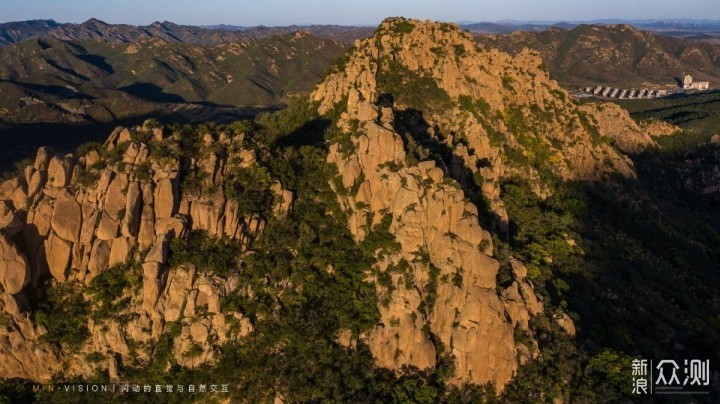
x=444, y=298
x=499, y=115
x=443, y=276
x=657, y=127
x=71, y=219
x=14, y=269
x=614, y=122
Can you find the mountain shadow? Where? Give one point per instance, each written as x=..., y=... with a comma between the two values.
x=151, y=92
x=421, y=145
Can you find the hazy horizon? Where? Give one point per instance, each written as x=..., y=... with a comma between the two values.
x=368, y=13
x=459, y=22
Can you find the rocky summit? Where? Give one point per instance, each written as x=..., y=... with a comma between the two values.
x=496, y=115
x=406, y=232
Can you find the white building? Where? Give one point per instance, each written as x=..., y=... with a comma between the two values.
x=688, y=84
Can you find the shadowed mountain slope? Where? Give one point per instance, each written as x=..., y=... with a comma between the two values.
x=618, y=55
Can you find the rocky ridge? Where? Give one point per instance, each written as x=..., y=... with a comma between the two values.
x=75, y=218
x=443, y=276
x=422, y=163
x=485, y=108
x=499, y=115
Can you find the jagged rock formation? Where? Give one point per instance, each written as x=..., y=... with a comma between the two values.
x=74, y=218
x=615, y=123
x=443, y=276
x=500, y=115
x=443, y=296
x=495, y=116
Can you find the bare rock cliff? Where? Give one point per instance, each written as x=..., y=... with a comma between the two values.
x=72, y=219
x=438, y=291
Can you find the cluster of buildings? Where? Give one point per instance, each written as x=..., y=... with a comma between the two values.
x=624, y=93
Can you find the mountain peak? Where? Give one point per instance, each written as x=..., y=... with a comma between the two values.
x=423, y=98
x=165, y=25
x=95, y=22
x=398, y=27
x=622, y=28
x=486, y=97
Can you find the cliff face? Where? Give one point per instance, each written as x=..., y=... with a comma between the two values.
x=75, y=219
x=426, y=91
x=443, y=298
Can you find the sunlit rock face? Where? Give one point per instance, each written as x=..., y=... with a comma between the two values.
x=71, y=219
x=443, y=298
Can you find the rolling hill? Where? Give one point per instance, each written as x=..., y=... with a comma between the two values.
x=93, y=28
x=50, y=80
x=63, y=93
x=614, y=55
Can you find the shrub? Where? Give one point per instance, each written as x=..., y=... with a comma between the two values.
x=250, y=188
x=64, y=314
x=141, y=136
x=457, y=279
x=86, y=148
x=478, y=107
x=192, y=182
x=272, y=127
x=507, y=82
x=381, y=239
x=87, y=177
x=402, y=27
x=590, y=125
x=108, y=289
x=216, y=255
x=412, y=89
x=95, y=357
x=142, y=171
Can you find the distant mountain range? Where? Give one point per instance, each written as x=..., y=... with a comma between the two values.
x=618, y=55
x=95, y=81
x=96, y=72
x=678, y=27
x=14, y=32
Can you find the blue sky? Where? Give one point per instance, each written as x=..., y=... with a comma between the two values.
x=370, y=12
